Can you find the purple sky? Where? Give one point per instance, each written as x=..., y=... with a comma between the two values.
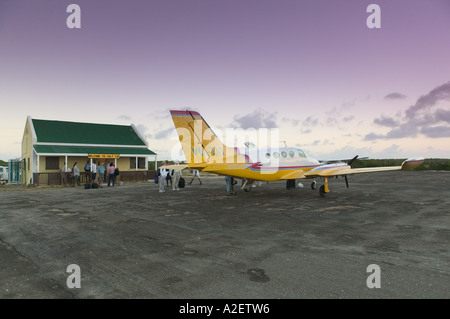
x=312, y=68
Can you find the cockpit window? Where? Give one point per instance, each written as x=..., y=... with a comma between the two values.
x=301, y=153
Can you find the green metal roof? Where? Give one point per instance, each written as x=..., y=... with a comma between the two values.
x=85, y=133
x=46, y=149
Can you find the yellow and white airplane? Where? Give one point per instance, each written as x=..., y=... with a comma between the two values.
x=205, y=151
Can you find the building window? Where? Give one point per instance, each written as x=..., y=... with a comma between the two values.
x=141, y=162
x=51, y=162
x=28, y=164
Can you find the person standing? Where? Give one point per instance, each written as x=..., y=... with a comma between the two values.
x=94, y=171
x=87, y=170
x=76, y=173
x=176, y=178
x=229, y=182
x=196, y=173
x=111, y=175
x=162, y=174
x=169, y=177
x=230, y=185
x=101, y=174
x=64, y=174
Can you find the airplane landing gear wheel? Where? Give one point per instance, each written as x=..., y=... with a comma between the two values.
x=313, y=185
x=322, y=191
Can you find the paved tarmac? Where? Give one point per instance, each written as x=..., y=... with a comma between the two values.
x=132, y=242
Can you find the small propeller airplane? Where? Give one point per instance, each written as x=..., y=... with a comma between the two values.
x=205, y=151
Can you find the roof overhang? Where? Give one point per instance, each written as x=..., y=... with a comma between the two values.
x=59, y=150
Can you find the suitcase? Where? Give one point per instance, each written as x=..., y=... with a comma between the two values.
x=181, y=183
x=94, y=185
x=290, y=184
x=87, y=186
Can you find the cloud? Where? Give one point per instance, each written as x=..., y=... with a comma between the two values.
x=442, y=115
x=395, y=96
x=257, y=119
x=372, y=137
x=306, y=125
x=425, y=102
x=436, y=132
x=292, y=121
x=124, y=117
x=429, y=116
x=386, y=121
x=163, y=134
x=143, y=130
x=348, y=119
x=310, y=122
x=404, y=130
x=335, y=115
x=320, y=143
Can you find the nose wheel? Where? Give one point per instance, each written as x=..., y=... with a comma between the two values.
x=323, y=190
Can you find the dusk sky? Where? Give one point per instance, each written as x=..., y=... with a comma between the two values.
x=314, y=69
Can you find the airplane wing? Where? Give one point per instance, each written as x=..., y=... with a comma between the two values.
x=341, y=169
x=298, y=174
x=332, y=161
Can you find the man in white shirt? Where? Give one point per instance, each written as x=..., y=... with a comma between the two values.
x=63, y=174
x=162, y=178
x=94, y=171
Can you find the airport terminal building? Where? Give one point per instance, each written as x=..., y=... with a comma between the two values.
x=48, y=144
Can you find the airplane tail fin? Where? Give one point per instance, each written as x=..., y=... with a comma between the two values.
x=201, y=146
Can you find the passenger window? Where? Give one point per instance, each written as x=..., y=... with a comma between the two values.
x=267, y=155
x=276, y=154
x=291, y=153
x=284, y=154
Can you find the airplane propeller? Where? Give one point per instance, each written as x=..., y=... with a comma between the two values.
x=352, y=160
x=350, y=163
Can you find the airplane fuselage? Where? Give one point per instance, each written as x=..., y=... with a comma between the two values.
x=266, y=164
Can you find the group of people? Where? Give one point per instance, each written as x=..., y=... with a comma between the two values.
x=165, y=177
x=96, y=173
